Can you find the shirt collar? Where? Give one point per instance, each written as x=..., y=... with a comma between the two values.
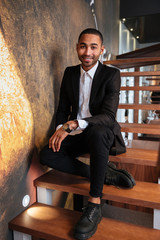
x=91, y=72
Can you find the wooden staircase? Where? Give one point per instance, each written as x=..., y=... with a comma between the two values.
x=57, y=224
x=42, y=220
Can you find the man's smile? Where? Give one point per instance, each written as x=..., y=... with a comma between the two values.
x=87, y=58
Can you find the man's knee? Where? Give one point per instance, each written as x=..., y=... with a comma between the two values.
x=97, y=132
x=100, y=135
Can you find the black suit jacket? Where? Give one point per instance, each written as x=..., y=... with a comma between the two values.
x=103, y=102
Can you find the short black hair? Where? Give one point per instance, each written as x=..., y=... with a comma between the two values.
x=91, y=31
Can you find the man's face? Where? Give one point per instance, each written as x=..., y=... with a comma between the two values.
x=89, y=48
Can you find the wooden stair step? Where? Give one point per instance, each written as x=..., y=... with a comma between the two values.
x=140, y=128
x=139, y=106
x=143, y=194
x=141, y=88
x=140, y=74
x=133, y=62
x=136, y=156
x=48, y=222
x=146, y=157
x=146, y=52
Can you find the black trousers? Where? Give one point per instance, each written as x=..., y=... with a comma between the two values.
x=96, y=140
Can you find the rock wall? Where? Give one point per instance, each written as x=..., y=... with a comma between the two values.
x=37, y=41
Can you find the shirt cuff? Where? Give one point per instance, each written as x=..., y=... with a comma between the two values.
x=59, y=126
x=82, y=124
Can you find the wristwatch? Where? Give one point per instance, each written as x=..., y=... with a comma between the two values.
x=66, y=128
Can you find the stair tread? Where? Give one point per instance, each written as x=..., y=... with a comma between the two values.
x=143, y=194
x=48, y=222
x=141, y=88
x=140, y=128
x=133, y=62
x=146, y=157
x=136, y=156
x=138, y=74
x=145, y=52
x=139, y=106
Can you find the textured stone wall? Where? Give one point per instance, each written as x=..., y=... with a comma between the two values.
x=37, y=41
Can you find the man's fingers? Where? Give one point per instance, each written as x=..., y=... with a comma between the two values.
x=53, y=145
x=50, y=143
x=56, y=143
x=56, y=139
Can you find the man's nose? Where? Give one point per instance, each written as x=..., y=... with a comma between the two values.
x=87, y=51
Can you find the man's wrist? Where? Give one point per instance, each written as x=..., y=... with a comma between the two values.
x=70, y=126
x=76, y=124
x=66, y=128
x=73, y=125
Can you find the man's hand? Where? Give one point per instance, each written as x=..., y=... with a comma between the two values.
x=57, y=138
x=59, y=135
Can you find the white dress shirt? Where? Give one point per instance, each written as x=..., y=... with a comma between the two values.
x=86, y=79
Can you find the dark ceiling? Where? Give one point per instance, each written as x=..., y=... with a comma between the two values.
x=142, y=18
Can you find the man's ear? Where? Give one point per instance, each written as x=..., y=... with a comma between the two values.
x=102, y=49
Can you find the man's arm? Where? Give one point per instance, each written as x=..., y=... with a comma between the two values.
x=60, y=134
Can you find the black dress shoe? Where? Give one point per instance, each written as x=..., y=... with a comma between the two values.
x=88, y=222
x=118, y=177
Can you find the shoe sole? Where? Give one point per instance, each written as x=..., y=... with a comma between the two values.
x=125, y=172
x=84, y=236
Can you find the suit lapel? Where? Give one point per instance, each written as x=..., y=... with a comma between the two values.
x=96, y=83
x=75, y=84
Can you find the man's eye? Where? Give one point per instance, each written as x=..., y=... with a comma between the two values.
x=93, y=48
x=82, y=46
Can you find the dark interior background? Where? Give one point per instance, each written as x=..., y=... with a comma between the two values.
x=143, y=16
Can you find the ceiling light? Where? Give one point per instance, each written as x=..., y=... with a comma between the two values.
x=131, y=29
x=137, y=37
x=123, y=20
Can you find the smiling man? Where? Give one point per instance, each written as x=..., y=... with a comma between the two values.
x=85, y=123
x=89, y=48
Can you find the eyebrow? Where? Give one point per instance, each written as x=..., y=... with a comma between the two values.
x=83, y=43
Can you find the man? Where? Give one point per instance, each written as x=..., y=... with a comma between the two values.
x=85, y=123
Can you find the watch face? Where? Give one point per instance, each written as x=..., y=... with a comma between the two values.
x=66, y=128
